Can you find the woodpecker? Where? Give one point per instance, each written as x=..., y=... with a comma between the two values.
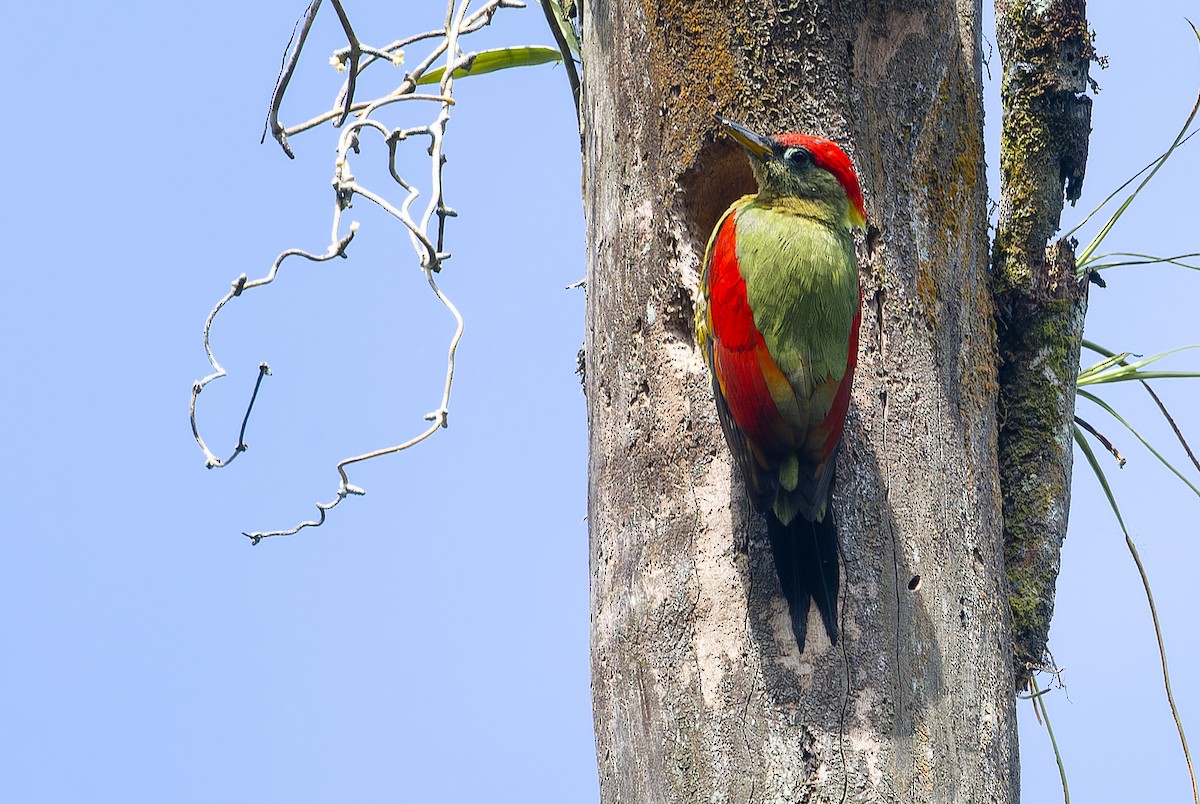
x=777, y=320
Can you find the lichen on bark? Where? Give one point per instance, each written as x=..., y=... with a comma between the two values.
x=1045, y=49
x=1037, y=401
x=700, y=690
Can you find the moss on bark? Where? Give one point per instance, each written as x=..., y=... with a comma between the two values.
x=1045, y=49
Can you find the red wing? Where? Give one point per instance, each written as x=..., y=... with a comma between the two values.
x=736, y=352
x=743, y=377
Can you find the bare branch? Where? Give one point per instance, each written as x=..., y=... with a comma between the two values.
x=239, y=286
x=354, y=52
x=444, y=44
x=285, y=76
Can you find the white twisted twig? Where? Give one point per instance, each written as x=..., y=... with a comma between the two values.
x=354, y=58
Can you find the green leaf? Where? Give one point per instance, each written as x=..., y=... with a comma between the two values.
x=1141, y=568
x=1115, y=369
x=1086, y=374
x=1040, y=703
x=1099, y=472
x=1139, y=437
x=501, y=58
x=1141, y=259
x=564, y=25
x=1086, y=256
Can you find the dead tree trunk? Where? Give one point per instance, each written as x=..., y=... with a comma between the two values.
x=699, y=691
x=1045, y=50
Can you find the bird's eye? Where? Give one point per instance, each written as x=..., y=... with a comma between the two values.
x=798, y=157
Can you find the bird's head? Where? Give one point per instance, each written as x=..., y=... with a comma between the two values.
x=803, y=166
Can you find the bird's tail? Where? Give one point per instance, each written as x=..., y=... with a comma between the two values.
x=806, y=559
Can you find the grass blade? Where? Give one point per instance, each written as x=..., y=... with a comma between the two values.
x=501, y=58
x=1137, y=560
x=1085, y=257
x=1039, y=703
x=1142, y=259
x=1138, y=436
x=1117, y=369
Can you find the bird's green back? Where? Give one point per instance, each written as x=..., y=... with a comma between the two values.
x=802, y=285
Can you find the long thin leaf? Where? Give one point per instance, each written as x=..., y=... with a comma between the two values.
x=1082, y=260
x=1117, y=191
x=1138, y=436
x=1162, y=408
x=1095, y=347
x=563, y=24
x=1104, y=365
x=501, y=58
x=1137, y=560
x=1142, y=376
x=564, y=35
x=1113, y=375
x=1040, y=703
x=1131, y=372
x=1142, y=259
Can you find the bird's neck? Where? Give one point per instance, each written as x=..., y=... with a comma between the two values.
x=834, y=213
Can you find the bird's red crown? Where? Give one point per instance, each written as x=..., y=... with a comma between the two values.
x=827, y=155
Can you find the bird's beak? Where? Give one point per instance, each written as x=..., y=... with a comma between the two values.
x=755, y=143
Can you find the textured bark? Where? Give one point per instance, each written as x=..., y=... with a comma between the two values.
x=699, y=691
x=1045, y=50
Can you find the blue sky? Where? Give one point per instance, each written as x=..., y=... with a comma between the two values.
x=430, y=642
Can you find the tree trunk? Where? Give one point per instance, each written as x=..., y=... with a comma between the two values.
x=700, y=693
x=1045, y=50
